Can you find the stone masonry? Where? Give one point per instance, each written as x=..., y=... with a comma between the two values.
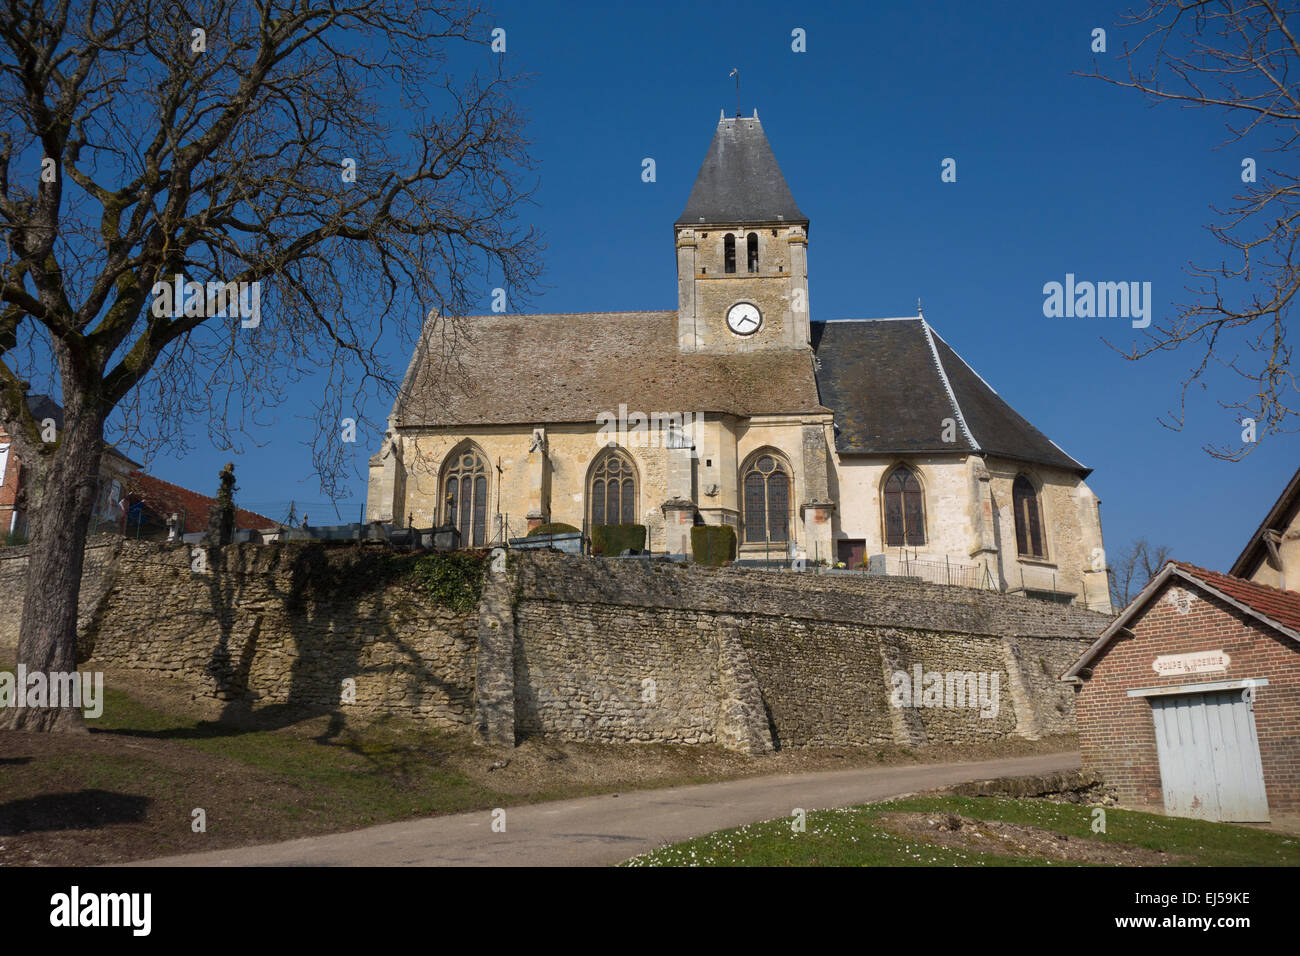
x=579, y=648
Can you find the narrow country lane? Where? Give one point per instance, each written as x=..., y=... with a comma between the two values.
x=603, y=830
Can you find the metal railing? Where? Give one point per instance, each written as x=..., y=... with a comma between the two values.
x=937, y=572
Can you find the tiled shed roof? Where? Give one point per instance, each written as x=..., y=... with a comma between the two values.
x=1272, y=606
x=1273, y=603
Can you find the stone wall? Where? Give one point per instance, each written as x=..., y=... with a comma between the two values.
x=820, y=651
x=582, y=648
x=96, y=576
x=282, y=625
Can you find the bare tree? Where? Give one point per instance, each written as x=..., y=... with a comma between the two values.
x=1133, y=569
x=348, y=162
x=1241, y=57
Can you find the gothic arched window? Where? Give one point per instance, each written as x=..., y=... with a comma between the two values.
x=729, y=254
x=1029, y=524
x=904, y=509
x=751, y=247
x=766, y=484
x=465, y=495
x=612, y=490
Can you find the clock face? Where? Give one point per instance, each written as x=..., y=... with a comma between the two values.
x=743, y=318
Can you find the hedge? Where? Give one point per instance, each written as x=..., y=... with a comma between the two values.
x=557, y=527
x=614, y=539
x=713, y=544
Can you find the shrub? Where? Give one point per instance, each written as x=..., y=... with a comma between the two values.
x=614, y=539
x=713, y=544
x=454, y=579
x=556, y=527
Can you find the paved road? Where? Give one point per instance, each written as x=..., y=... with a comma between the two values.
x=597, y=831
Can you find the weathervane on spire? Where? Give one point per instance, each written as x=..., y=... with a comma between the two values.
x=736, y=73
x=918, y=305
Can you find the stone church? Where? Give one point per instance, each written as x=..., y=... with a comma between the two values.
x=854, y=440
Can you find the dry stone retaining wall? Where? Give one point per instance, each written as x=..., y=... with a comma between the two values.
x=820, y=650
x=580, y=648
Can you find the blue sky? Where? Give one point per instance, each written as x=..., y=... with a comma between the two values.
x=1055, y=174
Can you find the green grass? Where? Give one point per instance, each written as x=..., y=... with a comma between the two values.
x=852, y=837
x=384, y=770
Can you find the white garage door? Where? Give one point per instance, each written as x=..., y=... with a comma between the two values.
x=1209, y=756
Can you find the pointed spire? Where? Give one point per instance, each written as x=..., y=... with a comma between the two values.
x=740, y=180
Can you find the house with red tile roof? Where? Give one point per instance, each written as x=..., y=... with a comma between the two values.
x=113, y=472
x=151, y=503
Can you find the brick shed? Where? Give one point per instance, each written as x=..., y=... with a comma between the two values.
x=1190, y=700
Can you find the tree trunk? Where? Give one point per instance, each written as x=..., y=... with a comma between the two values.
x=59, y=521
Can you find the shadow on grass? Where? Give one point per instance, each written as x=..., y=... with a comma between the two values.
x=265, y=719
x=82, y=810
x=255, y=736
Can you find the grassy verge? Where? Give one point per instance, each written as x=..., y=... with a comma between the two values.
x=871, y=836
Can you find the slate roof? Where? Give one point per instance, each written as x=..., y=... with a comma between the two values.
x=740, y=180
x=531, y=369
x=1278, y=519
x=43, y=407
x=892, y=382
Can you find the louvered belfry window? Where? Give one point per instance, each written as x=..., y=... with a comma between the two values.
x=751, y=250
x=729, y=254
x=465, y=496
x=904, y=509
x=1029, y=526
x=613, y=491
x=767, y=501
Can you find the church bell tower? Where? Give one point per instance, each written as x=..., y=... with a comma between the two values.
x=742, y=250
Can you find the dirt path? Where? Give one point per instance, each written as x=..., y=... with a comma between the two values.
x=596, y=831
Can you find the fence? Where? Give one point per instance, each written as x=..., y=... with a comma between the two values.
x=939, y=572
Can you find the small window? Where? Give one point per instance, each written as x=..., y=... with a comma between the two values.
x=751, y=247
x=1029, y=525
x=729, y=254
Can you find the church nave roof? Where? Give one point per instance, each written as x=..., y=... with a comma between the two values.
x=892, y=382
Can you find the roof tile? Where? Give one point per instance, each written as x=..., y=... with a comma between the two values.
x=1281, y=606
x=522, y=369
